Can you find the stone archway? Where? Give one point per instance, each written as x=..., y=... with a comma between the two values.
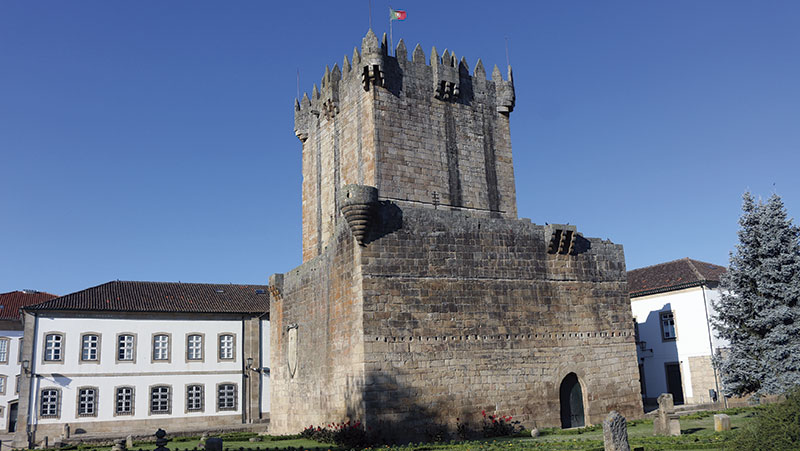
x=571, y=396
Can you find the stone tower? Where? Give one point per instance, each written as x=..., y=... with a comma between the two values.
x=422, y=134
x=422, y=297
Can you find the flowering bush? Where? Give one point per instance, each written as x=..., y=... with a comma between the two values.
x=347, y=435
x=499, y=426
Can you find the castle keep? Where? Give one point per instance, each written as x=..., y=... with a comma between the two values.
x=422, y=297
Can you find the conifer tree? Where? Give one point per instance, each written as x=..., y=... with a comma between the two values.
x=758, y=310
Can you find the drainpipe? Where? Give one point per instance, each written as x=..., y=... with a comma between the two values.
x=710, y=342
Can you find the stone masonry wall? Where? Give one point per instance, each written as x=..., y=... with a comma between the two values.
x=463, y=314
x=402, y=138
x=322, y=298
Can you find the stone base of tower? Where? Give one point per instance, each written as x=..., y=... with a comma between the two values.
x=442, y=315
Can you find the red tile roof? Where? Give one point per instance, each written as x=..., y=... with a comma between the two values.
x=10, y=303
x=166, y=297
x=674, y=275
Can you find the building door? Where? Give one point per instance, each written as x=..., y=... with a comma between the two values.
x=12, y=417
x=674, y=384
x=571, y=402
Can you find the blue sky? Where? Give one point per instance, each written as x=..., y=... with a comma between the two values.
x=153, y=140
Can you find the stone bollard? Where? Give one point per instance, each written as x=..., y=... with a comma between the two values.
x=161, y=441
x=129, y=441
x=615, y=432
x=722, y=422
x=214, y=444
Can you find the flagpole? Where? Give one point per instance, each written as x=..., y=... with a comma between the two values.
x=391, y=39
x=370, y=14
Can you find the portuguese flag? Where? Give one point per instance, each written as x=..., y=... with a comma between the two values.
x=396, y=15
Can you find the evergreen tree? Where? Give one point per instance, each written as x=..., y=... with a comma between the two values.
x=758, y=310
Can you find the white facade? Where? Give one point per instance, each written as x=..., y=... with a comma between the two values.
x=141, y=372
x=9, y=372
x=98, y=373
x=674, y=329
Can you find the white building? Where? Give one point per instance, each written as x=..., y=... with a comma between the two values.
x=10, y=339
x=130, y=357
x=672, y=305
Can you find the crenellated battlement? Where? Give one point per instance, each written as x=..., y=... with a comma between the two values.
x=373, y=67
x=423, y=131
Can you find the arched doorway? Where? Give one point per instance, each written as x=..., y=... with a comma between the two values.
x=571, y=402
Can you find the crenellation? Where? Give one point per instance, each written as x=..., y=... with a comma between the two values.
x=419, y=55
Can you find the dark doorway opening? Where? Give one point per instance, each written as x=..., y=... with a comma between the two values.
x=12, y=417
x=571, y=402
x=674, y=384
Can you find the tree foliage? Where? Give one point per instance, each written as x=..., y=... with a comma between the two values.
x=758, y=310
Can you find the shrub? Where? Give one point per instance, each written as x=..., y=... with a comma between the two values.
x=347, y=435
x=499, y=426
x=775, y=427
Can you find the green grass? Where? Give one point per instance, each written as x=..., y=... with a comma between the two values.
x=697, y=433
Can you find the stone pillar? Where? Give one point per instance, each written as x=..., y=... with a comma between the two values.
x=615, y=432
x=667, y=423
x=252, y=390
x=21, y=439
x=722, y=422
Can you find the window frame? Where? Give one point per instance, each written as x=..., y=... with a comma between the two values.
x=202, y=408
x=661, y=316
x=168, y=411
x=16, y=384
x=235, y=397
x=61, y=347
x=7, y=341
x=132, y=400
x=153, y=338
x=40, y=410
x=3, y=384
x=202, y=347
x=133, y=348
x=97, y=347
x=219, y=347
x=95, y=402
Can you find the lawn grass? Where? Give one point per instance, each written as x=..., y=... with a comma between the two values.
x=697, y=433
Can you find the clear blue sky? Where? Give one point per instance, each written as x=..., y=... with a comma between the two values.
x=153, y=140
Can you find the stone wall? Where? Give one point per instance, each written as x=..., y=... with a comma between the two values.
x=463, y=314
x=321, y=300
x=702, y=374
x=450, y=314
x=404, y=137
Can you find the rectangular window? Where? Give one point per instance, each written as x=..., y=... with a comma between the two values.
x=19, y=351
x=194, y=398
x=4, y=350
x=161, y=347
x=125, y=348
x=226, y=345
x=89, y=346
x=226, y=397
x=49, y=402
x=87, y=402
x=667, y=326
x=3, y=381
x=194, y=347
x=52, y=347
x=159, y=399
x=124, y=401
x=16, y=385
